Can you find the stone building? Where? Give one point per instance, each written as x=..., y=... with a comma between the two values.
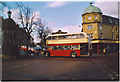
x=13, y=37
x=10, y=47
x=103, y=29
x=59, y=32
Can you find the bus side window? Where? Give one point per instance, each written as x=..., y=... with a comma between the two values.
x=74, y=36
x=77, y=36
x=67, y=47
x=69, y=37
x=49, y=47
x=72, y=47
x=49, y=38
x=60, y=47
x=65, y=37
x=54, y=37
x=82, y=35
x=54, y=47
x=61, y=37
x=75, y=47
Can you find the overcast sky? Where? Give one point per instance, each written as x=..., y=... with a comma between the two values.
x=66, y=16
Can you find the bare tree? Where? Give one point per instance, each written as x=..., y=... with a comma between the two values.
x=48, y=31
x=26, y=17
x=2, y=5
x=42, y=32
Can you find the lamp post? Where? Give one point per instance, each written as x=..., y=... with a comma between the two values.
x=9, y=14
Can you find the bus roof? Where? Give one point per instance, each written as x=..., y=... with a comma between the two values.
x=67, y=34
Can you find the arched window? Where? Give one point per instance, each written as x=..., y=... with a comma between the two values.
x=100, y=27
x=89, y=18
x=84, y=19
x=95, y=17
x=117, y=37
x=116, y=29
x=100, y=18
x=112, y=29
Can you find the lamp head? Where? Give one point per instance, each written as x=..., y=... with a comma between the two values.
x=9, y=14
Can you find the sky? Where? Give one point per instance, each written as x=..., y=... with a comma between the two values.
x=63, y=15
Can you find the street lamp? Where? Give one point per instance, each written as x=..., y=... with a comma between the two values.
x=9, y=14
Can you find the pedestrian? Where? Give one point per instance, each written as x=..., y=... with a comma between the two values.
x=104, y=50
x=30, y=52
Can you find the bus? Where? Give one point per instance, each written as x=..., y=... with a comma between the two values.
x=73, y=45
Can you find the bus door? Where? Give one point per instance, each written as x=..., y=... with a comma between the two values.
x=83, y=49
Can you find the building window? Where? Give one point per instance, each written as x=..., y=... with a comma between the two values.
x=116, y=22
x=117, y=37
x=112, y=36
x=90, y=35
x=112, y=29
x=116, y=29
x=89, y=18
x=100, y=18
x=110, y=20
x=84, y=19
x=95, y=17
x=100, y=27
x=89, y=27
x=101, y=35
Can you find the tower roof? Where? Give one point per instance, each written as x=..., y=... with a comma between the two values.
x=91, y=9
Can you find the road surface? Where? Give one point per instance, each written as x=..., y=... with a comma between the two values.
x=104, y=67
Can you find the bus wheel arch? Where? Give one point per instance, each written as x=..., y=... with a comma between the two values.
x=47, y=53
x=73, y=54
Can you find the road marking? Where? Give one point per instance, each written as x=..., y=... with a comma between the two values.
x=112, y=78
x=15, y=67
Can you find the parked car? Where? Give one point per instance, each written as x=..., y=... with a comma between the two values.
x=36, y=50
x=33, y=50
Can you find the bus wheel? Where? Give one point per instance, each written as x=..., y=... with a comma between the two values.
x=73, y=54
x=47, y=54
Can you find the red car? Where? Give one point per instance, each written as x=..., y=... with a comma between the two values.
x=29, y=48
